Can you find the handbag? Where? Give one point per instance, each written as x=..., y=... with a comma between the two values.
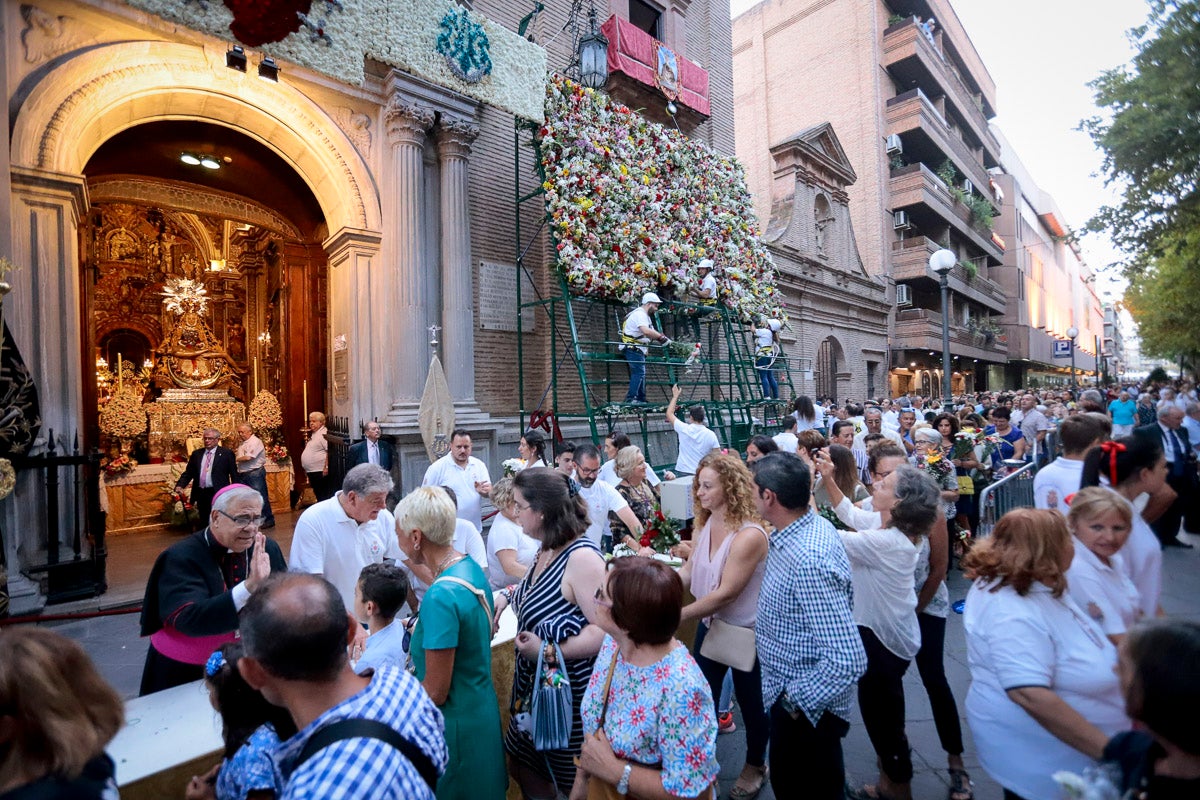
x=550, y=705
x=729, y=644
x=966, y=485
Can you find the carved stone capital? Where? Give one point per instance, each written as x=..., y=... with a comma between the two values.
x=406, y=122
x=454, y=137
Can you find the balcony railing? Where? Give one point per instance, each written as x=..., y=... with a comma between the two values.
x=913, y=110
x=904, y=41
x=916, y=184
x=646, y=60
x=921, y=329
x=910, y=261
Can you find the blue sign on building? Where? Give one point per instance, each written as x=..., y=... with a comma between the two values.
x=1062, y=349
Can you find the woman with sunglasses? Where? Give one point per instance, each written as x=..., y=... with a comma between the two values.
x=648, y=720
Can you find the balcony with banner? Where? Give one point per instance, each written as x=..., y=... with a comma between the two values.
x=645, y=73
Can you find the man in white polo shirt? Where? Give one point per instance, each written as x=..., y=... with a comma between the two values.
x=601, y=499
x=1060, y=479
x=696, y=440
x=337, y=537
x=465, y=474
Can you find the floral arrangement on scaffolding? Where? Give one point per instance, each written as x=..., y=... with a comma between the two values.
x=634, y=206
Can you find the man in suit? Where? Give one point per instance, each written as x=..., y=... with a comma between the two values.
x=209, y=469
x=1181, y=470
x=371, y=450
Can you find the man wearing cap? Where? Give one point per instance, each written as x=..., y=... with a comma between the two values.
x=705, y=294
x=637, y=331
x=198, y=585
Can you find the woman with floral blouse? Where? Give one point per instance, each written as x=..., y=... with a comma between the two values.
x=648, y=720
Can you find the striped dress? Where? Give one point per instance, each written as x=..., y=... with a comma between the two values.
x=542, y=610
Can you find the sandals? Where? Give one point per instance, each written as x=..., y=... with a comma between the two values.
x=866, y=792
x=960, y=785
x=745, y=789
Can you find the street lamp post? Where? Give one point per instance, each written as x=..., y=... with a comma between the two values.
x=942, y=262
x=1072, y=332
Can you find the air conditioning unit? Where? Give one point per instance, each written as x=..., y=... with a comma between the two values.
x=900, y=220
x=968, y=187
x=903, y=294
x=894, y=145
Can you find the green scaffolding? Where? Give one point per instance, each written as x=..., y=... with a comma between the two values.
x=588, y=374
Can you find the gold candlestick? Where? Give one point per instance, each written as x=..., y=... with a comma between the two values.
x=120, y=376
x=256, y=376
x=306, y=402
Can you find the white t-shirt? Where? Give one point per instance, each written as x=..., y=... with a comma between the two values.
x=608, y=474
x=803, y=425
x=467, y=541
x=787, y=441
x=508, y=535
x=764, y=338
x=1104, y=592
x=709, y=284
x=329, y=543
x=882, y=564
x=601, y=499
x=1035, y=640
x=695, y=442
x=637, y=319
x=445, y=472
x=1055, y=482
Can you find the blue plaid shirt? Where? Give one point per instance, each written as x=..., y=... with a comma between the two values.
x=369, y=769
x=808, y=644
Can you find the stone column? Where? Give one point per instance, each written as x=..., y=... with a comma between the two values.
x=407, y=125
x=454, y=138
x=44, y=315
x=358, y=279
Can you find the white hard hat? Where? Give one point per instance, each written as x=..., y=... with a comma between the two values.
x=775, y=325
x=705, y=263
x=650, y=297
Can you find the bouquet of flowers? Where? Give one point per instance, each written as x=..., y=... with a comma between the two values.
x=828, y=513
x=511, y=466
x=1097, y=782
x=277, y=453
x=661, y=532
x=964, y=443
x=990, y=442
x=264, y=413
x=122, y=416
x=936, y=465
x=178, y=509
x=121, y=465
x=687, y=352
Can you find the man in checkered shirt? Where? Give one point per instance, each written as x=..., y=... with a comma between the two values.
x=295, y=630
x=808, y=645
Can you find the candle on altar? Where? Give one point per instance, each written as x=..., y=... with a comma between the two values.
x=306, y=402
x=120, y=376
x=256, y=376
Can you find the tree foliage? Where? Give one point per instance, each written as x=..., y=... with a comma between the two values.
x=1164, y=297
x=1150, y=133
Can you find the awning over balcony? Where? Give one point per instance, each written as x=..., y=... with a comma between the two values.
x=639, y=55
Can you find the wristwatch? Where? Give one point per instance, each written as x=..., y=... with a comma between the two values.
x=623, y=784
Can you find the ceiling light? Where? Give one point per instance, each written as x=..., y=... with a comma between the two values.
x=209, y=162
x=236, y=58
x=268, y=69
x=188, y=158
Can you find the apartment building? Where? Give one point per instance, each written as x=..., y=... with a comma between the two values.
x=910, y=100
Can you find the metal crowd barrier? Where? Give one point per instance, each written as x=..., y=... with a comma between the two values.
x=1014, y=490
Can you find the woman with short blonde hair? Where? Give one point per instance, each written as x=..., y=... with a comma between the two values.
x=58, y=715
x=634, y=487
x=1044, y=693
x=425, y=509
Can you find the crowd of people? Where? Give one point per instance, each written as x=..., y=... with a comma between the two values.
x=815, y=575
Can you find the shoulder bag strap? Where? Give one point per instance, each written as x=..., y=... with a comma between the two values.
x=607, y=683
x=370, y=729
x=473, y=589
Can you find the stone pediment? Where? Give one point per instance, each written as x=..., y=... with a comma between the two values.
x=817, y=152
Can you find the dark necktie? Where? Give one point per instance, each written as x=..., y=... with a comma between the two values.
x=1179, y=462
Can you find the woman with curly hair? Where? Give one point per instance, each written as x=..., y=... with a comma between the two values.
x=725, y=572
x=1044, y=693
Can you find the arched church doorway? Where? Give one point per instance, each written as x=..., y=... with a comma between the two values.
x=204, y=284
x=829, y=361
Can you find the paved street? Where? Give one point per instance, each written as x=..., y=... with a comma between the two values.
x=114, y=644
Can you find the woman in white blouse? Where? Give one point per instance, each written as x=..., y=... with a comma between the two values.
x=510, y=551
x=1100, y=524
x=933, y=606
x=883, y=562
x=1044, y=692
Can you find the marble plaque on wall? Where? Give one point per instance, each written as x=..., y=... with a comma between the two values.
x=498, y=298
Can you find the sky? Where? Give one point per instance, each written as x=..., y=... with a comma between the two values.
x=1041, y=55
